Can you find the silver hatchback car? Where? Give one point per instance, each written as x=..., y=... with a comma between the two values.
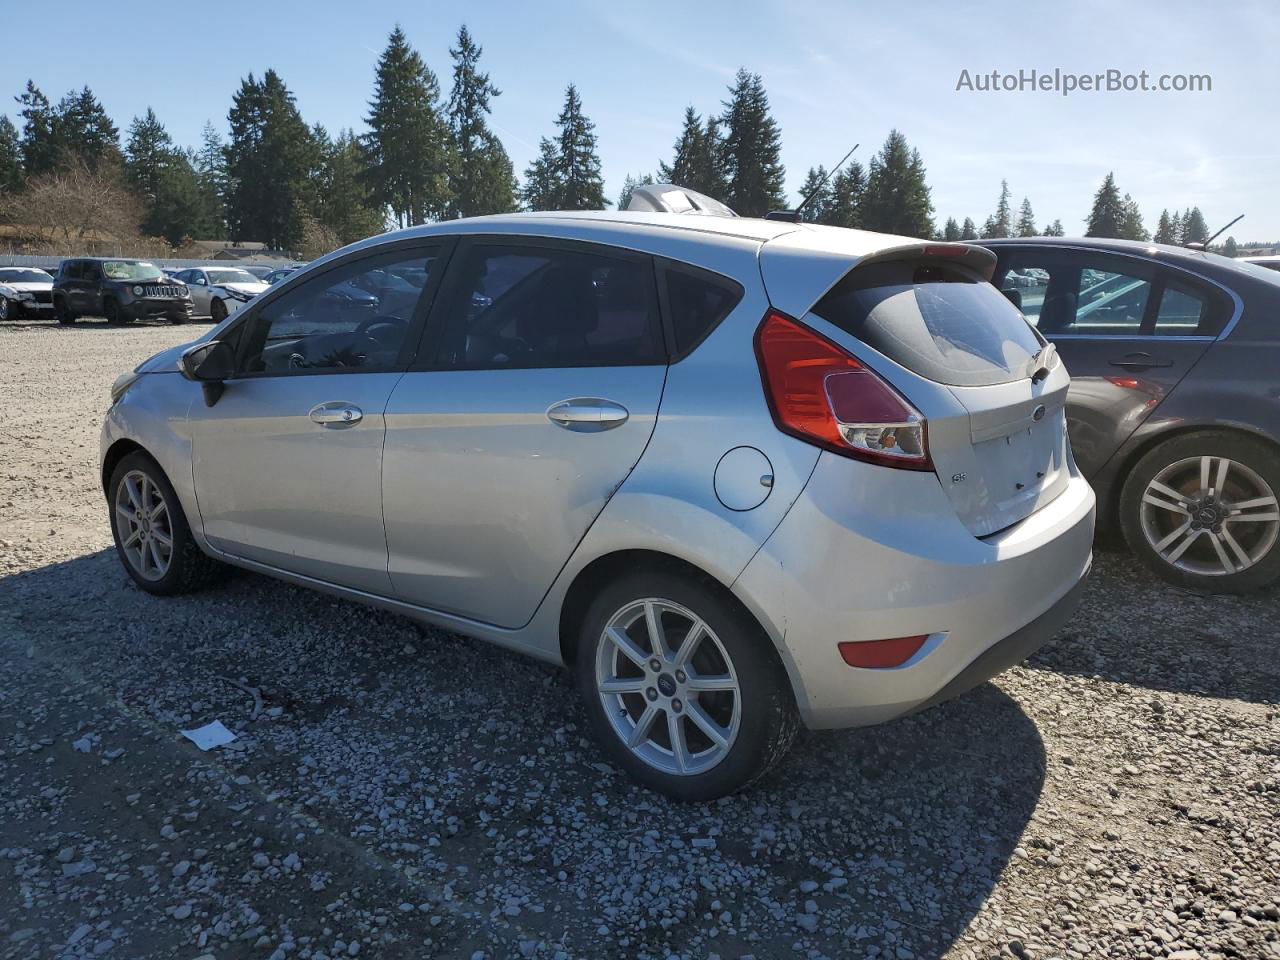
x=737, y=474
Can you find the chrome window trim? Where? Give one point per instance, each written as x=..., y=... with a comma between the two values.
x=1237, y=303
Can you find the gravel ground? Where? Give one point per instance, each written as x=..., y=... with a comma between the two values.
x=405, y=793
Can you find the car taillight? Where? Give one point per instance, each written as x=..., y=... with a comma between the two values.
x=823, y=395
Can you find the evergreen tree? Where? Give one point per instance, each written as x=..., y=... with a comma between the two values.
x=968, y=231
x=482, y=181
x=541, y=188
x=270, y=157
x=578, y=178
x=1164, y=229
x=628, y=187
x=82, y=129
x=210, y=163
x=1131, y=226
x=698, y=161
x=897, y=197
x=178, y=212
x=1194, y=229
x=10, y=157
x=818, y=185
x=1231, y=248
x=1176, y=228
x=409, y=147
x=951, y=232
x=146, y=153
x=848, y=190
x=39, y=147
x=1000, y=223
x=752, y=148
x=1054, y=229
x=1026, y=220
x=1107, y=218
x=343, y=202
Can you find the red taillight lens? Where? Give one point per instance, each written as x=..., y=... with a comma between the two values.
x=881, y=654
x=821, y=394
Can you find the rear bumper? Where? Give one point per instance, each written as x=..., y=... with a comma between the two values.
x=867, y=553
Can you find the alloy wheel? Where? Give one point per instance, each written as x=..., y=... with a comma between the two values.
x=668, y=687
x=1211, y=516
x=4, y=308
x=144, y=526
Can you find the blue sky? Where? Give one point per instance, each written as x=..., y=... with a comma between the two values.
x=836, y=73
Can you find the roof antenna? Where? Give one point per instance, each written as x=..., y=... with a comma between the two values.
x=793, y=216
x=1207, y=243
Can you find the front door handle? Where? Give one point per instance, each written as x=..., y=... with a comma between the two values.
x=587, y=414
x=336, y=413
x=1140, y=361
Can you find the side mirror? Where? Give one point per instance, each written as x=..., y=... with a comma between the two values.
x=209, y=364
x=1014, y=297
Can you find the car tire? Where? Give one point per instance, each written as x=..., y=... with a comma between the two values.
x=179, y=566
x=61, y=313
x=8, y=309
x=1209, y=535
x=218, y=310
x=752, y=712
x=177, y=319
x=113, y=312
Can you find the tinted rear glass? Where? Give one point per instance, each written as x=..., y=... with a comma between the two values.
x=939, y=321
x=697, y=304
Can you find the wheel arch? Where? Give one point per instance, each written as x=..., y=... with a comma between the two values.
x=603, y=569
x=1130, y=458
x=115, y=453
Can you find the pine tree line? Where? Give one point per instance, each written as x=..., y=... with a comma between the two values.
x=424, y=157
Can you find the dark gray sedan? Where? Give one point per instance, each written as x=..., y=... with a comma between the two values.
x=1174, y=406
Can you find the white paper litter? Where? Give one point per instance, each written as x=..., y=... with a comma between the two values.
x=209, y=736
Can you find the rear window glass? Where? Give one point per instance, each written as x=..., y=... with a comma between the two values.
x=939, y=321
x=697, y=304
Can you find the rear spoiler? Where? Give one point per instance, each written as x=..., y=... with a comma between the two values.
x=799, y=268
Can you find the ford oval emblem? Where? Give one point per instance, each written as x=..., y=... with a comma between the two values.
x=1038, y=413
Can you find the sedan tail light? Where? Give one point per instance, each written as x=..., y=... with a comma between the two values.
x=825, y=396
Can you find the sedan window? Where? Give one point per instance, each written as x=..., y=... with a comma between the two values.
x=352, y=316
x=1110, y=303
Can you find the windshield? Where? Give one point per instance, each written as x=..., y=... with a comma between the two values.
x=231, y=276
x=24, y=276
x=131, y=270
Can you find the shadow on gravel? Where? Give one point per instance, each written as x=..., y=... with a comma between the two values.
x=1136, y=629
x=467, y=771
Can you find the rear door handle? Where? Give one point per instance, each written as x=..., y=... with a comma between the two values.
x=1140, y=361
x=336, y=413
x=587, y=414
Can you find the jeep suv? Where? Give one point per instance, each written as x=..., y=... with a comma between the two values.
x=119, y=290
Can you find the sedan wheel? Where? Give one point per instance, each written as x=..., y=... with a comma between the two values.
x=146, y=528
x=151, y=533
x=682, y=687
x=668, y=687
x=1202, y=510
x=218, y=311
x=6, y=309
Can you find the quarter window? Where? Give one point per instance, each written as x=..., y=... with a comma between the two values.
x=542, y=306
x=353, y=316
x=1181, y=312
x=697, y=303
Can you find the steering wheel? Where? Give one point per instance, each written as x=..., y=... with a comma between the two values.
x=381, y=320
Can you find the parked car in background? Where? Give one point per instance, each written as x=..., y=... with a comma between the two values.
x=1174, y=408
x=219, y=291
x=119, y=290
x=259, y=270
x=738, y=473
x=1271, y=262
x=25, y=292
x=275, y=276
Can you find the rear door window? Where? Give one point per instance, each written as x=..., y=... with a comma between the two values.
x=940, y=321
x=541, y=305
